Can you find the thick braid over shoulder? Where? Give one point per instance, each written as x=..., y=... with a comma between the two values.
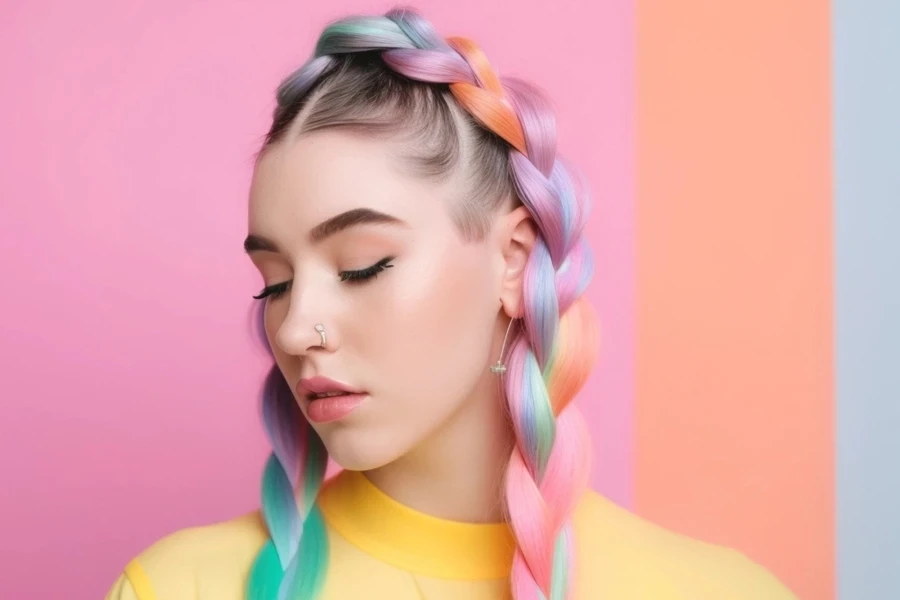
x=292, y=564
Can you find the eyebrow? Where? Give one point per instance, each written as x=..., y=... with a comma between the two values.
x=332, y=226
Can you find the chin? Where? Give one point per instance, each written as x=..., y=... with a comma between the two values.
x=357, y=451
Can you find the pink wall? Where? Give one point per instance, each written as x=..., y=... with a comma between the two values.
x=128, y=377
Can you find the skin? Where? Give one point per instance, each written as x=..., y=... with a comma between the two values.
x=419, y=337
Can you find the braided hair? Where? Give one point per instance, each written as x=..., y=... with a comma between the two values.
x=393, y=75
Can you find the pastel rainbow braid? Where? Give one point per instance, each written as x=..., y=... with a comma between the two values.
x=293, y=562
x=547, y=363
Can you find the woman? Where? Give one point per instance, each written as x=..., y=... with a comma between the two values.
x=412, y=223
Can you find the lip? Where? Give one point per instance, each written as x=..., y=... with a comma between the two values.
x=331, y=408
x=321, y=384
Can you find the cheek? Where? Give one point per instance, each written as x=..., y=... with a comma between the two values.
x=273, y=316
x=272, y=321
x=440, y=327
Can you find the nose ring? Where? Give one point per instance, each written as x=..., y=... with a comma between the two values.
x=321, y=329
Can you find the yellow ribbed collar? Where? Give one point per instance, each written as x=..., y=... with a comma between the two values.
x=414, y=541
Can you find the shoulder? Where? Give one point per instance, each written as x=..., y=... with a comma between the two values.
x=216, y=557
x=640, y=559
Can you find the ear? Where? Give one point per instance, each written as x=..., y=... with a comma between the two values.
x=518, y=235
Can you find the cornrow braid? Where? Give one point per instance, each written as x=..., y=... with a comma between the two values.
x=550, y=357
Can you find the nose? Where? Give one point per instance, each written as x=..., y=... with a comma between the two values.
x=300, y=333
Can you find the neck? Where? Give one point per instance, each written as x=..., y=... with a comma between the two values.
x=457, y=472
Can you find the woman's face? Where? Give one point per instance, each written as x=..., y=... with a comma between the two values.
x=416, y=337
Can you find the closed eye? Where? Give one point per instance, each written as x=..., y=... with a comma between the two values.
x=356, y=277
x=368, y=272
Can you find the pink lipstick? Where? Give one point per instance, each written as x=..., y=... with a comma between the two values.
x=329, y=400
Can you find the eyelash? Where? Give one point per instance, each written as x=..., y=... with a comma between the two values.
x=356, y=277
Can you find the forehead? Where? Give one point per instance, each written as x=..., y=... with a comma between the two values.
x=327, y=172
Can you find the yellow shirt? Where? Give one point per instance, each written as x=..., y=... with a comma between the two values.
x=381, y=549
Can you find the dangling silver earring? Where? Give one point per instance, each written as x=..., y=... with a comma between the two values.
x=500, y=368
